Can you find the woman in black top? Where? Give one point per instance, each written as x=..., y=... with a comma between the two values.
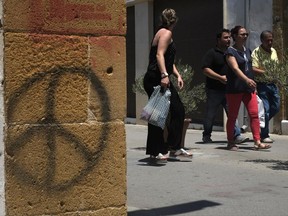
x=161, y=66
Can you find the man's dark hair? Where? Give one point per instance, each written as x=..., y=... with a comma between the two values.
x=262, y=35
x=219, y=34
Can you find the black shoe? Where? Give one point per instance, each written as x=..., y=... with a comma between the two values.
x=206, y=139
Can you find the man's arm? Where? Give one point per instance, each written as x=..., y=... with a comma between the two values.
x=255, y=63
x=257, y=70
x=213, y=75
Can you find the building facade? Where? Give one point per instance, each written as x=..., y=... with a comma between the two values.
x=194, y=34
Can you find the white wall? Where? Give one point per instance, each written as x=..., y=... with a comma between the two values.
x=254, y=15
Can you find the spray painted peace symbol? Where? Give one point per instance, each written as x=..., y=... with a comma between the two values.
x=52, y=129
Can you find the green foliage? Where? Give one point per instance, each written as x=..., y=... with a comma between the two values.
x=138, y=85
x=190, y=95
x=276, y=72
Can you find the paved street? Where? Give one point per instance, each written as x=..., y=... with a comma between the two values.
x=216, y=183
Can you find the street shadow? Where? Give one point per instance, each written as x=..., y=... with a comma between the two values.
x=147, y=162
x=175, y=209
x=252, y=148
x=240, y=149
x=224, y=142
x=272, y=164
x=139, y=148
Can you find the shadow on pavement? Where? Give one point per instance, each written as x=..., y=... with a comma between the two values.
x=175, y=209
x=275, y=164
x=224, y=142
x=241, y=148
x=146, y=162
x=244, y=148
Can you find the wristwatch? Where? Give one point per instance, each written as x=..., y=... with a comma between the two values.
x=164, y=74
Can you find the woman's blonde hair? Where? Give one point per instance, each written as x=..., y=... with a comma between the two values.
x=168, y=17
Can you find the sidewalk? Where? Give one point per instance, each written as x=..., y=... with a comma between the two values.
x=216, y=183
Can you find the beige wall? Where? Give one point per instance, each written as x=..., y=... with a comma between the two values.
x=65, y=98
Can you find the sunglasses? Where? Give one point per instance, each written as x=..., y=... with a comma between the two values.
x=244, y=34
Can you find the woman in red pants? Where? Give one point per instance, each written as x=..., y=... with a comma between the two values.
x=241, y=87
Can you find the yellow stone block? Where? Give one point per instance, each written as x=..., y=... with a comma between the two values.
x=48, y=79
x=108, y=62
x=53, y=169
x=66, y=16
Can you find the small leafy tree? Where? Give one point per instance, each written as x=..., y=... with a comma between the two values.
x=276, y=72
x=190, y=95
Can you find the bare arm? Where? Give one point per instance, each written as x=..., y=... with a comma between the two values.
x=257, y=71
x=178, y=76
x=256, y=66
x=164, y=37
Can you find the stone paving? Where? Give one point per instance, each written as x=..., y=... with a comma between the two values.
x=217, y=182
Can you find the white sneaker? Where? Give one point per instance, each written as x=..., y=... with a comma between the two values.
x=267, y=140
x=240, y=139
x=183, y=152
x=159, y=159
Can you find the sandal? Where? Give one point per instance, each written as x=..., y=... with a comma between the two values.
x=159, y=159
x=181, y=152
x=261, y=146
x=232, y=147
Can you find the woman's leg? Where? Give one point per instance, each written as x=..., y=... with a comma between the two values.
x=233, y=102
x=177, y=115
x=251, y=104
x=155, y=140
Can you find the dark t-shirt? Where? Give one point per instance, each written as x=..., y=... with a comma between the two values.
x=234, y=83
x=215, y=60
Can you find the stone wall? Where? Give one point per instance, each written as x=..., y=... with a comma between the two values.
x=65, y=101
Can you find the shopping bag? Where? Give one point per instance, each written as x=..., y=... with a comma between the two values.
x=151, y=104
x=157, y=107
x=261, y=112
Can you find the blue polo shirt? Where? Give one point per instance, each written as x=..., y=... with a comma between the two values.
x=234, y=83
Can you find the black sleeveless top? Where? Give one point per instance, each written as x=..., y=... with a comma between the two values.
x=169, y=57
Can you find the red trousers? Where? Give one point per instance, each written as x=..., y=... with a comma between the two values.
x=251, y=104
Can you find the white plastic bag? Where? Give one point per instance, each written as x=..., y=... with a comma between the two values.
x=261, y=112
x=157, y=108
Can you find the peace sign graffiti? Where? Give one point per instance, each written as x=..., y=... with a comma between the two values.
x=51, y=129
